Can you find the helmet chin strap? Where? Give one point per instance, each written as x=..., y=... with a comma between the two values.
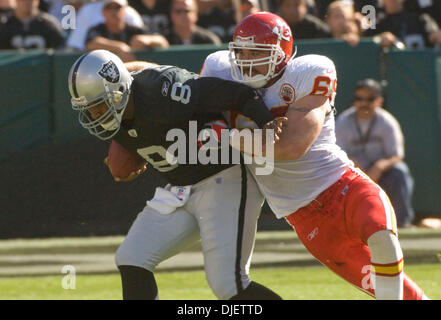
x=111, y=125
x=256, y=84
x=115, y=122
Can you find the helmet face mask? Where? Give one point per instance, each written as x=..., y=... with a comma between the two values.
x=95, y=78
x=107, y=125
x=260, y=31
x=242, y=69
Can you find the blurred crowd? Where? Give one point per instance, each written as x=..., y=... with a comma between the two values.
x=123, y=26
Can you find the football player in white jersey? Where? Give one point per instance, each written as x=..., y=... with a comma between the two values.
x=342, y=217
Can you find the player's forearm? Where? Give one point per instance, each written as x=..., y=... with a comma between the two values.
x=294, y=143
x=303, y=126
x=138, y=65
x=106, y=44
x=217, y=95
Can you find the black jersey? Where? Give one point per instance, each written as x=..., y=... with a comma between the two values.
x=411, y=28
x=168, y=97
x=221, y=22
x=125, y=35
x=156, y=19
x=310, y=27
x=42, y=31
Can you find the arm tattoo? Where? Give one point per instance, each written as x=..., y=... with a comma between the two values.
x=300, y=109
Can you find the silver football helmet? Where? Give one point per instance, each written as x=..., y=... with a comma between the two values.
x=99, y=77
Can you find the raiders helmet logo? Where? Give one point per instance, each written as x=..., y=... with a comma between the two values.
x=110, y=72
x=287, y=93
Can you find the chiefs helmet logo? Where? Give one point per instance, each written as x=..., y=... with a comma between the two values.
x=282, y=31
x=110, y=72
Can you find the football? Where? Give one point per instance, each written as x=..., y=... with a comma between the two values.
x=121, y=162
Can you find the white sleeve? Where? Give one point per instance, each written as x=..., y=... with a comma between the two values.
x=340, y=133
x=205, y=71
x=319, y=77
x=208, y=68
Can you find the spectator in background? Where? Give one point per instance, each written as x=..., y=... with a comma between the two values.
x=6, y=7
x=247, y=7
x=397, y=24
x=431, y=7
x=184, y=31
x=205, y=6
x=29, y=28
x=118, y=37
x=340, y=18
x=154, y=14
x=302, y=24
x=322, y=7
x=219, y=18
x=373, y=139
x=90, y=15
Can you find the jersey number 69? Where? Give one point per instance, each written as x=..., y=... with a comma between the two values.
x=323, y=85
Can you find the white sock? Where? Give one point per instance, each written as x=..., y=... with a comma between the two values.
x=387, y=265
x=388, y=288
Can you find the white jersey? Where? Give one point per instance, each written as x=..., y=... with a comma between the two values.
x=294, y=183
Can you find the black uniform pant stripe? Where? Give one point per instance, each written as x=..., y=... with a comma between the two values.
x=240, y=226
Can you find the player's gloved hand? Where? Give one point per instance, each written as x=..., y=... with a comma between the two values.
x=276, y=125
x=132, y=176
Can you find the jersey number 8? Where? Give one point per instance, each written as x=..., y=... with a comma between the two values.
x=181, y=92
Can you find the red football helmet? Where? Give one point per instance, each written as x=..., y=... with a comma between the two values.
x=261, y=31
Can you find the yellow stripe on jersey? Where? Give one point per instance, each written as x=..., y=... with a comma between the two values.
x=388, y=270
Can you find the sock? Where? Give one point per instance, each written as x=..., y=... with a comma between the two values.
x=388, y=280
x=256, y=291
x=386, y=265
x=138, y=283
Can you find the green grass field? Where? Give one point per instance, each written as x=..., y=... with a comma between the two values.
x=312, y=283
x=30, y=269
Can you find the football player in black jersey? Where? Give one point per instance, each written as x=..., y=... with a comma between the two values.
x=217, y=203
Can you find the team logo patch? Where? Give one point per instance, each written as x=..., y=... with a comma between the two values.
x=110, y=72
x=165, y=87
x=287, y=93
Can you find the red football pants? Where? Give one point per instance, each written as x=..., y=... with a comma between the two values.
x=336, y=225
